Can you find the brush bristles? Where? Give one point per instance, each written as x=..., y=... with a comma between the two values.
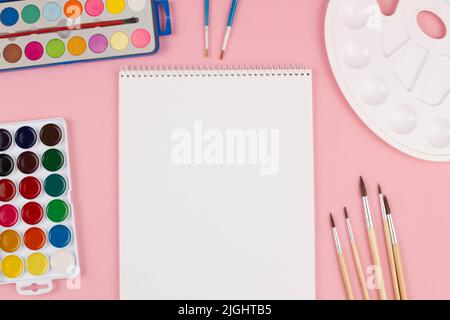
x=386, y=205
x=362, y=187
x=333, y=225
x=379, y=190
x=345, y=213
x=206, y=53
x=222, y=54
x=132, y=20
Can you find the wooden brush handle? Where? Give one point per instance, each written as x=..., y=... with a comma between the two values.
x=359, y=269
x=387, y=238
x=345, y=277
x=376, y=261
x=400, y=275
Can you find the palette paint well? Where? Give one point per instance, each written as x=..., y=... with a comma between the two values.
x=98, y=43
x=12, y=53
x=59, y=236
x=5, y=140
x=7, y=190
x=6, y=165
x=57, y=210
x=31, y=14
x=26, y=137
x=30, y=188
x=94, y=8
x=34, y=238
x=9, y=16
x=28, y=162
x=62, y=261
x=37, y=264
x=51, y=135
x=9, y=241
x=32, y=213
x=53, y=160
x=12, y=266
x=8, y=216
x=52, y=11
x=55, y=48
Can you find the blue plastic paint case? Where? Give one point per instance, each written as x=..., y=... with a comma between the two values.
x=133, y=28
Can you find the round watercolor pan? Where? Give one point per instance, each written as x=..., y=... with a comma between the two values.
x=28, y=162
x=6, y=165
x=5, y=140
x=30, y=187
x=9, y=215
x=12, y=266
x=25, y=137
x=62, y=261
x=57, y=210
x=9, y=16
x=52, y=11
x=37, y=264
x=10, y=241
x=59, y=236
x=31, y=14
x=34, y=238
x=32, y=213
x=7, y=190
x=51, y=134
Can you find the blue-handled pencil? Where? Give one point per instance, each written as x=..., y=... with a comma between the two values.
x=206, y=28
x=229, y=25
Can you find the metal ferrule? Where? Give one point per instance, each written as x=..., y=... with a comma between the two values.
x=369, y=221
x=336, y=241
x=392, y=229
x=206, y=37
x=383, y=208
x=225, y=40
x=350, y=231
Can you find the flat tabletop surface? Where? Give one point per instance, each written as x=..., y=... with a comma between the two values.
x=266, y=33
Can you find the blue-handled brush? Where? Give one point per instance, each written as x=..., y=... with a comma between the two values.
x=228, y=29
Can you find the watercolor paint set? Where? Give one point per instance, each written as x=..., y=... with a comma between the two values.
x=37, y=225
x=46, y=32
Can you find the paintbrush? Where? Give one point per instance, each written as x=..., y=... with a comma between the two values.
x=231, y=16
x=396, y=252
x=342, y=264
x=206, y=28
x=82, y=26
x=372, y=241
x=388, y=241
x=356, y=259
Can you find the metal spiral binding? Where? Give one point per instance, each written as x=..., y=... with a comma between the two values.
x=219, y=71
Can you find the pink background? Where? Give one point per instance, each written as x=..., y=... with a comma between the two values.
x=266, y=32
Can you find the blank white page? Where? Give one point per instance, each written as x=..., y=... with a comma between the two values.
x=216, y=184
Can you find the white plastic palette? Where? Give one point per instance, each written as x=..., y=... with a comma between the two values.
x=37, y=225
x=395, y=77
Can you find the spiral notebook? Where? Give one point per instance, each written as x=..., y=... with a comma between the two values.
x=216, y=184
